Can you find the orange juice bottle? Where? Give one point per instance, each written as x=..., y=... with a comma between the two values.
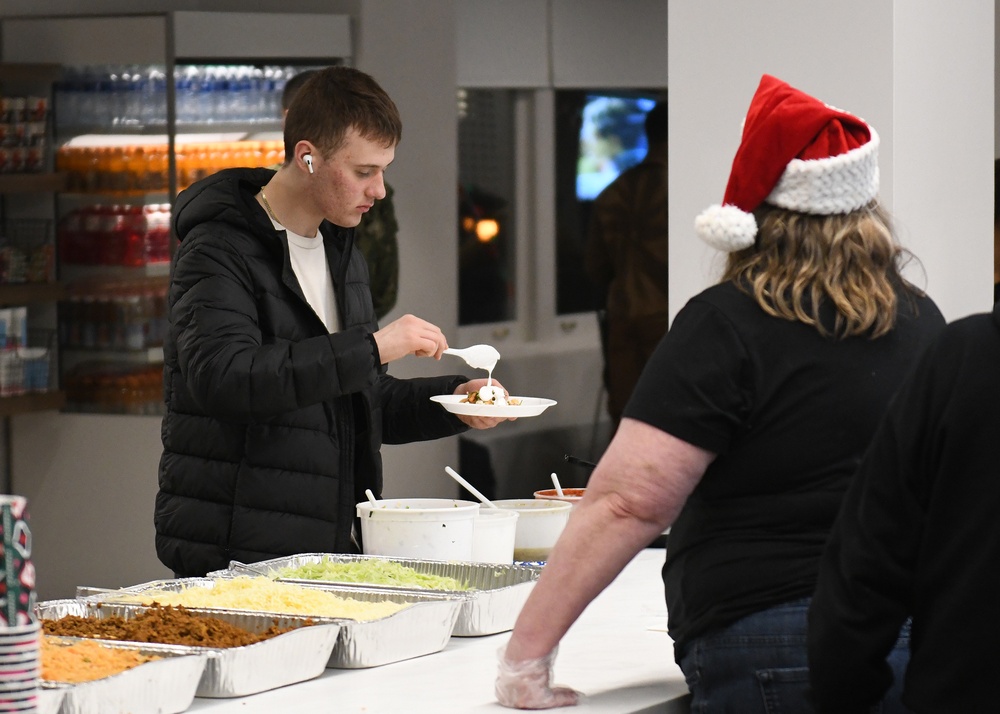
x=138, y=167
x=182, y=153
x=156, y=155
x=117, y=175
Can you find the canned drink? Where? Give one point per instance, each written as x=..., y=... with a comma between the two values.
x=34, y=132
x=18, y=158
x=12, y=134
x=11, y=109
x=36, y=108
x=34, y=157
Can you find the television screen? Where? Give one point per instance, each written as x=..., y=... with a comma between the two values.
x=612, y=139
x=599, y=132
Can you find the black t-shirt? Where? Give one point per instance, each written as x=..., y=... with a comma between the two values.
x=789, y=413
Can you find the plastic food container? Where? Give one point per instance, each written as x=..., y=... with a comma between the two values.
x=494, y=536
x=539, y=524
x=572, y=495
x=427, y=528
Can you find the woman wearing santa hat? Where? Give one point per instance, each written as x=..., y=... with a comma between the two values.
x=749, y=420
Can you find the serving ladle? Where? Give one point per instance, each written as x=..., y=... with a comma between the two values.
x=477, y=356
x=480, y=357
x=469, y=487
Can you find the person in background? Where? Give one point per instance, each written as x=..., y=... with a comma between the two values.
x=276, y=388
x=376, y=234
x=748, y=421
x=626, y=256
x=918, y=536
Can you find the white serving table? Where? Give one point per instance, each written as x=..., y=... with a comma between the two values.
x=618, y=653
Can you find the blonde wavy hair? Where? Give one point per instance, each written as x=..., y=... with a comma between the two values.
x=800, y=261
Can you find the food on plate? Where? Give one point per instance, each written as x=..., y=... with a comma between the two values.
x=372, y=572
x=263, y=594
x=498, y=399
x=162, y=624
x=85, y=660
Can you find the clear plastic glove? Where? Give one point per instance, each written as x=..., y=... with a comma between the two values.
x=528, y=684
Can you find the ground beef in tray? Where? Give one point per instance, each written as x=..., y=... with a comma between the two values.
x=164, y=624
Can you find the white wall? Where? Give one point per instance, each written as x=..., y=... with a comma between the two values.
x=943, y=127
x=920, y=73
x=420, y=74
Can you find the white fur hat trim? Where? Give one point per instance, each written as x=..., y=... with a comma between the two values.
x=833, y=185
x=726, y=228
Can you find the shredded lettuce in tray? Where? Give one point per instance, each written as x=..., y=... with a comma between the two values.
x=371, y=572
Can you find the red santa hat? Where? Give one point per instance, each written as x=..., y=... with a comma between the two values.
x=796, y=153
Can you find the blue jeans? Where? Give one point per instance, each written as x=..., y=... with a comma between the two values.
x=758, y=665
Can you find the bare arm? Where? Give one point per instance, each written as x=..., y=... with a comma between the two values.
x=634, y=494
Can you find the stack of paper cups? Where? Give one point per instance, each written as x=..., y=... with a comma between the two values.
x=20, y=653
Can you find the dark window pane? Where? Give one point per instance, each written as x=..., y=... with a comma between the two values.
x=486, y=231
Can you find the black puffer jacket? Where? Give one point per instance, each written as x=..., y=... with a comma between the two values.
x=273, y=426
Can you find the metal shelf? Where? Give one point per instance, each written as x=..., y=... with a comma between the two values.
x=29, y=72
x=35, y=402
x=28, y=293
x=33, y=183
x=242, y=128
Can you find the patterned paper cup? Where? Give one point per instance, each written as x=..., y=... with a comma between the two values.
x=28, y=659
x=23, y=672
x=18, y=688
x=20, y=634
x=27, y=703
x=17, y=585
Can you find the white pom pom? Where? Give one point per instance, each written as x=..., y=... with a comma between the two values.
x=726, y=228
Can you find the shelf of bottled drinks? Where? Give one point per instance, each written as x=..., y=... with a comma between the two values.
x=27, y=255
x=125, y=143
x=119, y=98
x=163, y=100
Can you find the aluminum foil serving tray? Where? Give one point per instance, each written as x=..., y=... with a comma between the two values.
x=163, y=686
x=421, y=629
x=231, y=671
x=495, y=596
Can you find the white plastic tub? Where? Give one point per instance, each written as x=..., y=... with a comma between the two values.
x=539, y=524
x=493, y=540
x=427, y=528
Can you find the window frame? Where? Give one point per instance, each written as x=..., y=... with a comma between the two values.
x=536, y=328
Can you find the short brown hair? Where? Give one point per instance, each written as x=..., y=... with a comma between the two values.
x=293, y=85
x=334, y=99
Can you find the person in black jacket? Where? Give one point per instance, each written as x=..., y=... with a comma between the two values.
x=917, y=536
x=275, y=369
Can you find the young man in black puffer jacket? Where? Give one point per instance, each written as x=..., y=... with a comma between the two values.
x=275, y=382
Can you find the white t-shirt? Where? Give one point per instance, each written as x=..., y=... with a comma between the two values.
x=308, y=257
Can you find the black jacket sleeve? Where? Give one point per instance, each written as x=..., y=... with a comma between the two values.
x=866, y=577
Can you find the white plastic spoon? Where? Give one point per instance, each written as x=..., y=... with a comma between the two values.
x=469, y=487
x=481, y=357
x=555, y=482
x=477, y=356
x=371, y=497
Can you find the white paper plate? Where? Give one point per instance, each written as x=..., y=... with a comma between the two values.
x=529, y=406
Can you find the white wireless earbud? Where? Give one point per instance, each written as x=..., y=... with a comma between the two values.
x=309, y=162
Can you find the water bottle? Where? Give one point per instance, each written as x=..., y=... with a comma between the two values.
x=154, y=106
